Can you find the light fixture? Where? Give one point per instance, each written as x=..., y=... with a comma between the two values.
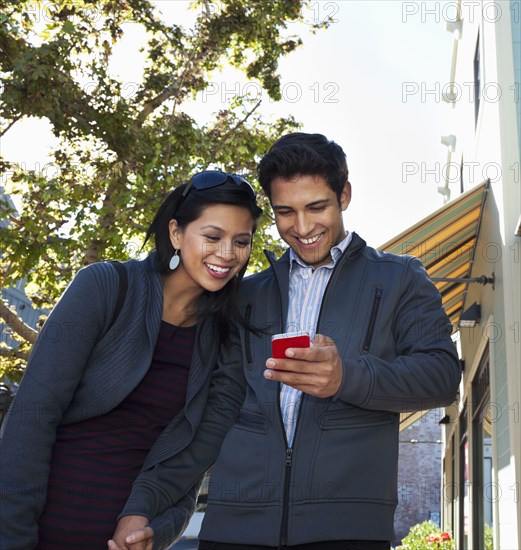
x=517, y=232
x=455, y=27
x=445, y=191
x=470, y=317
x=450, y=97
x=482, y=279
x=449, y=141
x=445, y=420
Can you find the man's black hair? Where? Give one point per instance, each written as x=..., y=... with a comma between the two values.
x=304, y=154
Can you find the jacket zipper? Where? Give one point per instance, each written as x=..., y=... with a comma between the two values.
x=372, y=320
x=283, y=538
x=285, y=506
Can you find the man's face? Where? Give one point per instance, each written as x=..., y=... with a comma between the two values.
x=308, y=216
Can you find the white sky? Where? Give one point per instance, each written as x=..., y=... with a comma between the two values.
x=372, y=82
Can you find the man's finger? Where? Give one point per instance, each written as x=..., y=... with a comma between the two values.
x=306, y=383
x=291, y=378
x=291, y=365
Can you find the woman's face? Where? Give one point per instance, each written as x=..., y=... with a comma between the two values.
x=215, y=247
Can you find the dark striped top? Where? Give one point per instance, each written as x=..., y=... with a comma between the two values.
x=95, y=461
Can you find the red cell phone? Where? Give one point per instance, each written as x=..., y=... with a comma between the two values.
x=281, y=342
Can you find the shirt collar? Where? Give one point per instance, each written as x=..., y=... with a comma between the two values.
x=336, y=253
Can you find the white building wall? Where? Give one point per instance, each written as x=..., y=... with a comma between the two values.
x=489, y=147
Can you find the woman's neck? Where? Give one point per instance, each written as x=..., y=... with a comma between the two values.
x=180, y=299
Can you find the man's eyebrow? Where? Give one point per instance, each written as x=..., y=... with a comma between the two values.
x=319, y=202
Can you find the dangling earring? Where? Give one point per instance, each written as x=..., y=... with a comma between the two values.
x=174, y=261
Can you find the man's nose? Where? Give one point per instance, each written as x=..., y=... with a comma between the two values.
x=303, y=224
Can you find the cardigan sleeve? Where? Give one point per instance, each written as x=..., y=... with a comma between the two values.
x=53, y=372
x=160, y=486
x=170, y=525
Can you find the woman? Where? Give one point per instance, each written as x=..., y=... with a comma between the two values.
x=103, y=398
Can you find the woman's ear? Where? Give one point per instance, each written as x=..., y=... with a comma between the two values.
x=175, y=234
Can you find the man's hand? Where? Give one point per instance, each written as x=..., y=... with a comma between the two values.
x=132, y=533
x=316, y=370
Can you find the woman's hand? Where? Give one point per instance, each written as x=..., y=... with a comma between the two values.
x=132, y=533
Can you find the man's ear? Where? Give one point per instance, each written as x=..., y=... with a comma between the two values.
x=345, y=196
x=175, y=234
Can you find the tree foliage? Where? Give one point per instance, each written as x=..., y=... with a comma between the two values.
x=119, y=153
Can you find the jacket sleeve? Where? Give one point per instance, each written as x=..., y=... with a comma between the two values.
x=162, y=485
x=53, y=372
x=425, y=371
x=170, y=525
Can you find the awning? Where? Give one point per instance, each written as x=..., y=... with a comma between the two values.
x=445, y=242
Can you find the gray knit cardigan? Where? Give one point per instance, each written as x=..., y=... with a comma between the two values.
x=82, y=367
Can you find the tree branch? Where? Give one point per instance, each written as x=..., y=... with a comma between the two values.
x=16, y=324
x=16, y=119
x=5, y=352
x=208, y=8
x=72, y=109
x=157, y=101
x=232, y=130
x=243, y=121
x=193, y=67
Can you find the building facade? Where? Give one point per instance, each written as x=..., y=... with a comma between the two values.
x=481, y=471
x=471, y=248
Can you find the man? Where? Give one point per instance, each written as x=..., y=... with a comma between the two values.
x=311, y=462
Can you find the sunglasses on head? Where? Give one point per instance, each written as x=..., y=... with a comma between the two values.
x=214, y=178
x=209, y=179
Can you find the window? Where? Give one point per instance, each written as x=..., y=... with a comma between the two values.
x=453, y=484
x=464, y=492
x=477, y=81
x=461, y=178
x=483, y=488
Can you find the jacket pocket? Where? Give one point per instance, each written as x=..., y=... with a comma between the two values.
x=251, y=421
x=353, y=418
x=377, y=300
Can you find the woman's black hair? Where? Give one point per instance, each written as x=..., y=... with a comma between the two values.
x=222, y=304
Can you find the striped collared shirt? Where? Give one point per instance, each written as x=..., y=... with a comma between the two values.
x=306, y=290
